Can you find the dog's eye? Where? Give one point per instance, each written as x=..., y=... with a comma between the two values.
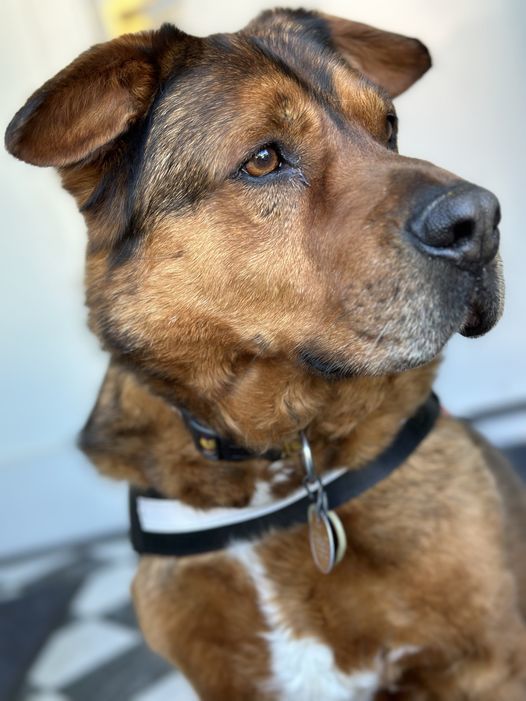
x=392, y=129
x=264, y=162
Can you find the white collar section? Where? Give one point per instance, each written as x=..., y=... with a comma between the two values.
x=173, y=516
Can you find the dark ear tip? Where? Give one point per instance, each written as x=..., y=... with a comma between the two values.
x=424, y=56
x=11, y=138
x=17, y=128
x=15, y=143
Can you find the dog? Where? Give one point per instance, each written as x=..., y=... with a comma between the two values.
x=274, y=284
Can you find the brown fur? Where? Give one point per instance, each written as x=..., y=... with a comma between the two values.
x=268, y=309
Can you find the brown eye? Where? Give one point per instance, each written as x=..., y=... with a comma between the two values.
x=265, y=161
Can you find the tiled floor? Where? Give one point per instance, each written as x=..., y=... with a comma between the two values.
x=69, y=632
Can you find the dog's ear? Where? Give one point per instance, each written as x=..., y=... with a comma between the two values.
x=392, y=61
x=93, y=100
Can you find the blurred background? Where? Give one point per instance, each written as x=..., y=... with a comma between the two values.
x=467, y=115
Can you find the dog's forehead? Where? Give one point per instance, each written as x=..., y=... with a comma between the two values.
x=245, y=90
x=256, y=75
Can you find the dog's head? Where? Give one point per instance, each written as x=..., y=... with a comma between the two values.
x=247, y=205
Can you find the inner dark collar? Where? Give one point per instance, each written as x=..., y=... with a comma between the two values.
x=213, y=446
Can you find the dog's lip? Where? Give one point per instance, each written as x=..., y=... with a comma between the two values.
x=473, y=325
x=325, y=365
x=484, y=307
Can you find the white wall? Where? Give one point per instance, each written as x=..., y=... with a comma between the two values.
x=50, y=364
x=467, y=115
x=49, y=361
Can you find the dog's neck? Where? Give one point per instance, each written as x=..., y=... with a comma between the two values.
x=348, y=421
x=136, y=435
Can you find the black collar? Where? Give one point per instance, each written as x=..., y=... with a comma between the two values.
x=161, y=526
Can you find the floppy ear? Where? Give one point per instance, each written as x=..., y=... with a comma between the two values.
x=92, y=101
x=390, y=60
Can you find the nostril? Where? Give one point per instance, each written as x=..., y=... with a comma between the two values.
x=463, y=230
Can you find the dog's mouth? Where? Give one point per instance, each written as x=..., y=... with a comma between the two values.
x=472, y=312
x=325, y=365
x=486, y=303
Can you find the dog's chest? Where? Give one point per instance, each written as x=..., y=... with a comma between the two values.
x=302, y=669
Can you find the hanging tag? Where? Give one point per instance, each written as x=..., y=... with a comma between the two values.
x=321, y=538
x=327, y=538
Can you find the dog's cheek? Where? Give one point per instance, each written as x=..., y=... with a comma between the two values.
x=393, y=322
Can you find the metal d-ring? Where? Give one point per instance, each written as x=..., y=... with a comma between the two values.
x=307, y=459
x=312, y=482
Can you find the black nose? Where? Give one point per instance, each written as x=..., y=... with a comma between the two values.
x=459, y=224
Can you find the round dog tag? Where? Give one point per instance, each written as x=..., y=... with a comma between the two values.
x=322, y=540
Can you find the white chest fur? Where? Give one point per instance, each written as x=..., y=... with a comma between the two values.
x=302, y=669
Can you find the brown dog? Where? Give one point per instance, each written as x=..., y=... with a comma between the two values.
x=260, y=255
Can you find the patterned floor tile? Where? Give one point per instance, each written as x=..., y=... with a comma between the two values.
x=120, y=678
x=105, y=589
x=73, y=572
x=114, y=550
x=17, y=575
x=125, y=615
x=174, y=687
x=26, y=624
x=78, y=648
x=517, y=456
